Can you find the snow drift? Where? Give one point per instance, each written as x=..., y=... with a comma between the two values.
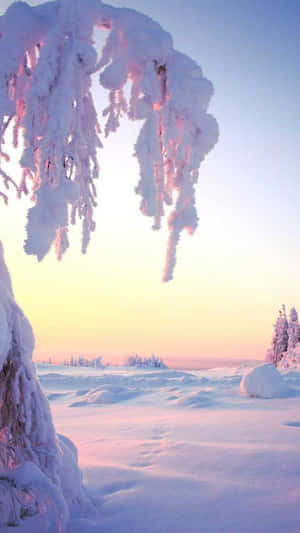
x=264, y=381
x=189, y=449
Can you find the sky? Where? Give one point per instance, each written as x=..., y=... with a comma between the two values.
x=242, y=263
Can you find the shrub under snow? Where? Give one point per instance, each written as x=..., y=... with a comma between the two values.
x=145, y=362
x=264, y=381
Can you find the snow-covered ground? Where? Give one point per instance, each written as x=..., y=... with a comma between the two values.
x=168, y=451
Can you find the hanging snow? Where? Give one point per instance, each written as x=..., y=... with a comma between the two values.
x=47, y=59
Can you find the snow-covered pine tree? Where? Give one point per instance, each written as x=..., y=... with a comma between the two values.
x=47, y=60
x=282, y=335
x=293, y=330
x=38, y=469
x=280, y=338
x=291, y=358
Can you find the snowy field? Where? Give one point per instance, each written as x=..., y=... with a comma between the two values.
x=168, y=451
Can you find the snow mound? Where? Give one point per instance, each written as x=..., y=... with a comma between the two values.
x=264, y=381
x=107, y=395
x=201, y=399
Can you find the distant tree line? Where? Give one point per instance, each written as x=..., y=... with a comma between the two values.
x=95, y=362
x=134, y=360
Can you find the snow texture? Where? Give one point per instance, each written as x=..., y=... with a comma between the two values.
x=47, y=59
x=290, y=359
x=190, y=453
x=264, y=381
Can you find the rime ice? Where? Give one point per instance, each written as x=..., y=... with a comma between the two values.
x=47, y=59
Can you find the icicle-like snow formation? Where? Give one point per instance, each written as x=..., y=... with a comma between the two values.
x=47, y=59
x=29, y=446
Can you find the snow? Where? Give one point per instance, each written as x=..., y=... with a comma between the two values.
x=7, y=307
x=264, y=381
x=290, y=359
x=187, y=449
x=12, y=317
x=113, y=394
x=288, y=354
x=30, y=479
x=175, y=448
x=293, y=330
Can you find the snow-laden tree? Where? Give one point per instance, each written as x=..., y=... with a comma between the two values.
x=38, y=469
x=291, y=357
x=280, y=338
x=293, y=329
x=47, y=60
x=282, y=334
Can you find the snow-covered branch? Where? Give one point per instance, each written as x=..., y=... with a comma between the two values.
x=47, y=59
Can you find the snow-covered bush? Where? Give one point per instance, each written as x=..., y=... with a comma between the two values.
x=264, y=381
x=280, y=338
x=47, y=59
x=145, y=362
x=35, y=465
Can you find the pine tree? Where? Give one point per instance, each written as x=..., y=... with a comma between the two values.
x=282, y=335
x=293, y=330
x=280, y=338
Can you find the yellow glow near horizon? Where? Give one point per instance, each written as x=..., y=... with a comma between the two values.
x=111, y=301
